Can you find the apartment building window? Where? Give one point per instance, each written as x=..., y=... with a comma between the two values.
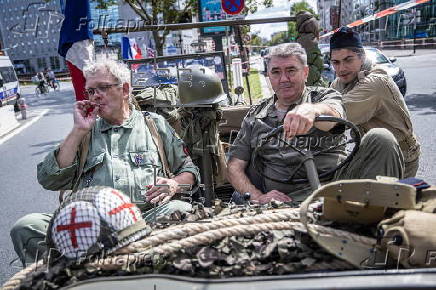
x=42, y=62
x=55, y=63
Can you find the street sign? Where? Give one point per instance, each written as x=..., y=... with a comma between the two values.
x=232, y=6
x=211, y=10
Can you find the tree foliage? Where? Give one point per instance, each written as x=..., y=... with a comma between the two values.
x=168, y=12
x=279, y=37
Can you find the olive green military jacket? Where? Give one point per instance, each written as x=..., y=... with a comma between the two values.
x=373, y=100
x=277, y=159
x=122, y=157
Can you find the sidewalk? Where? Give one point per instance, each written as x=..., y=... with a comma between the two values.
x=19, y=124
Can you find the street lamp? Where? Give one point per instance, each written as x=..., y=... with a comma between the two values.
x=181, y=42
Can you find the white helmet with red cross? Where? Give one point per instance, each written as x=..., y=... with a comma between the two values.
x=94, y=220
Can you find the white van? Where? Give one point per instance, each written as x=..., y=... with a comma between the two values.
x=9, y=87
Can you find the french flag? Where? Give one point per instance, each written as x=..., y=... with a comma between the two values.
x=76, y=43
x=130, y=48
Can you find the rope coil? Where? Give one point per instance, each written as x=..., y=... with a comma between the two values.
x=175, y=238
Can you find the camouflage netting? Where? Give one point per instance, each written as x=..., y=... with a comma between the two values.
x=276, y=246
x=308, y=35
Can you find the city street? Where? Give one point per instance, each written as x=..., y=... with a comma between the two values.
x=20, y=153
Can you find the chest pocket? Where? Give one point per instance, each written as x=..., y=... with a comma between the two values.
x=143, y=164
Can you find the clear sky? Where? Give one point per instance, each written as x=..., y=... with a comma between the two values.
x=280, y=8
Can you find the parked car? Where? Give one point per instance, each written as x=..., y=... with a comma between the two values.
x=263, y=53
x=377, y=57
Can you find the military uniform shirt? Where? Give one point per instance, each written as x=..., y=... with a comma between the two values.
x=123, y=157
x=278, y=160
x=373, y=100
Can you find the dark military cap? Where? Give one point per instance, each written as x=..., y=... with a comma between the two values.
x=345, y=37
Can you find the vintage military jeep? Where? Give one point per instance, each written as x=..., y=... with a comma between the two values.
x=348, y=234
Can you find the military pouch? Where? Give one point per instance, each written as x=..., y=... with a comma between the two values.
x=410, y=238
x=232, y=119
x=427, y=200
x=364, y=201
x=355, y=201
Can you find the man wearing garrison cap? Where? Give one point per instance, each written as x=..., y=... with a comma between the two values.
x=370, y=96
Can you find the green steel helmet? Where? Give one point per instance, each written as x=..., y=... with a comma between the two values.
x=199, y=85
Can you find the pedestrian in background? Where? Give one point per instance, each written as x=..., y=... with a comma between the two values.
x=20, y=104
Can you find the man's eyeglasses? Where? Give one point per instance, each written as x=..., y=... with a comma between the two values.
x=102, y=89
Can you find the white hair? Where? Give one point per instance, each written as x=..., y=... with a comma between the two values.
x=287, y=49
x=119, y=70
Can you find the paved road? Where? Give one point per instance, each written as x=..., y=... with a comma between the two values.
x=420, y=73
x=19, y=155
x=21, y=194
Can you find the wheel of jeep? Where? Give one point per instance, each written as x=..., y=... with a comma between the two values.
x=341, y=127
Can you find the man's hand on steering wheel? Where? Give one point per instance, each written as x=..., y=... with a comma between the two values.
x=271, y=195
x=300, y=120
x=311, y=152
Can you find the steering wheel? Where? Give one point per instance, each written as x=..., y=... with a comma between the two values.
x=310, y=154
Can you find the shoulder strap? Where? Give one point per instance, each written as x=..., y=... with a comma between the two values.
x=157, y=139
x=84, y=149
x=83, y=154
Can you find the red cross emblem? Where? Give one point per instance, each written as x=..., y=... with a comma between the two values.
x=73, y=226
x=125, y=205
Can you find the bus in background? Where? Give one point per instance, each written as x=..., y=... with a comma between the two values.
x=9, y=87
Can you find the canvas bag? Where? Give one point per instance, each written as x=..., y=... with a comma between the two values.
x=361, y=200
x=410, y=235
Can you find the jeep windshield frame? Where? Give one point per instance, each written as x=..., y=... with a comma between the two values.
x=156, y=61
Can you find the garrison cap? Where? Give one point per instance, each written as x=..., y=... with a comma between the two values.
x=345, y=37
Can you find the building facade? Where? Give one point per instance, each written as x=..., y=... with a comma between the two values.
x=419, y=21
x=30, y=34
x=176, y=42
x=324, y=9
x=144, y=39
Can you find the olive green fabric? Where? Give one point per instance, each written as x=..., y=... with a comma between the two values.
x=199, y=85
x=308, y=34
x=316, y=66
x=160, y=100
x=379, y=153
x=28, y=235
x=122, y=157
x=262, y=118
x=200, y=133
x=373, y=100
